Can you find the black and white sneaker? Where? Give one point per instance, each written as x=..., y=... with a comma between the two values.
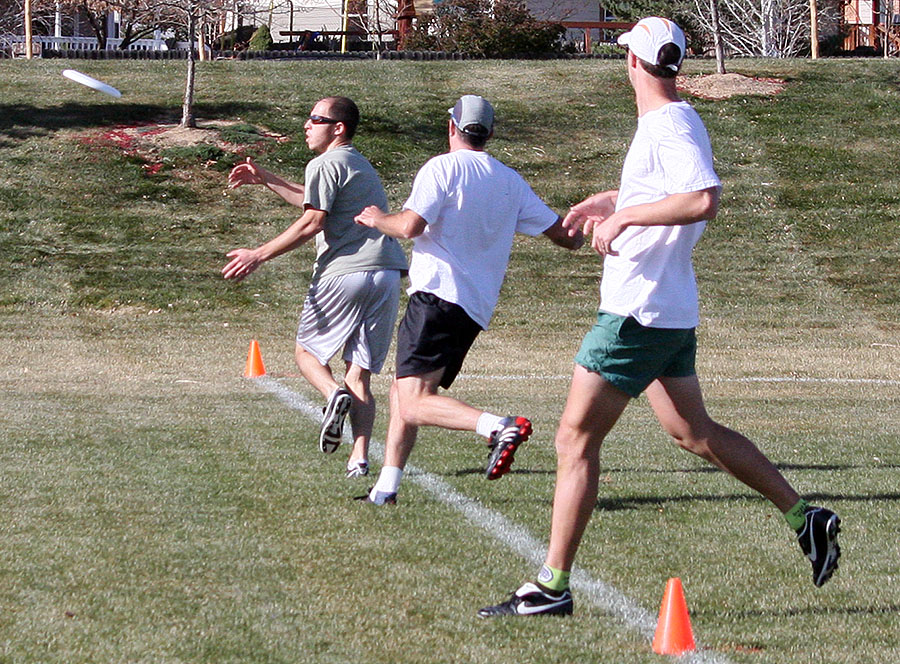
x=818, y=539
x=531, y=600
x=374, y=497
x=333, y=420
x=359, y=468
x=503, y=442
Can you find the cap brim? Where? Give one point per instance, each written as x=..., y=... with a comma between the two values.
x=623, y=38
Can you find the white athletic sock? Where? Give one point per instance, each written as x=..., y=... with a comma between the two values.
x=388, y=480
x=487, y=424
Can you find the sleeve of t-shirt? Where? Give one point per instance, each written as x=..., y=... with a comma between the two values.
x=535, y=216
x=428, y=193
x=687, y=160
x=321, y=185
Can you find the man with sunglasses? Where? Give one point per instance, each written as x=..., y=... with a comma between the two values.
x=462, y=214
x=355, y=289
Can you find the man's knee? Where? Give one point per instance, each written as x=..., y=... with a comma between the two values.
x=357, y=379
x=573, y=442
x=699, y=439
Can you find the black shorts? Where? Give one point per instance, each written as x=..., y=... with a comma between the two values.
x=434, y=334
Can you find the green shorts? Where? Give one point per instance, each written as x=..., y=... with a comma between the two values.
x=631, y=356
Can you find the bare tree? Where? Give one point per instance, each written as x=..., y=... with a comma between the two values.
x=375, y=18
x=717, y=36
x=194, y=13
x=767, y=28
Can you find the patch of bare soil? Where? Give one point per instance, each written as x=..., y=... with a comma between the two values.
x=206, y=132
x=146, y=142
x=723, y=86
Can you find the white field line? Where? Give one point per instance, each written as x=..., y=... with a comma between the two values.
x=514, y=536
x=749, y=379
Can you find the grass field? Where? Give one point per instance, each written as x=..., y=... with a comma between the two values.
x=158, y=507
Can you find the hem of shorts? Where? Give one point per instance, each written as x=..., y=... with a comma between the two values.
x=613, y=380
x=325, y=362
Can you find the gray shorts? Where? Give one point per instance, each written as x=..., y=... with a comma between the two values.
x=356, y=311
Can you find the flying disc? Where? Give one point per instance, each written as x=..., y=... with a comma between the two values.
x=91, y=82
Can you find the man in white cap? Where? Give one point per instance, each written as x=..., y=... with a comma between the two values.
x=643, y=340
x=463, y=211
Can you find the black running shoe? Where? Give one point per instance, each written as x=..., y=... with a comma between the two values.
x=818, y=539
x=530, y=600
x=378, y=497
x=333, y=420
x=504, y=441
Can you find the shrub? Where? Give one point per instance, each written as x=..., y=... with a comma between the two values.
x=261, y=39
x=498, y=29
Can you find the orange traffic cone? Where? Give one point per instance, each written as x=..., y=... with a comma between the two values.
x=255, y=367
x=673, y=632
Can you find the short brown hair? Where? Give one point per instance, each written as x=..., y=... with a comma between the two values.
x=344, y=110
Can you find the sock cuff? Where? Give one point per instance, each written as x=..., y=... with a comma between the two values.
x=796, y=515
x=553, y=579
x=487, y=424
x=389, y=479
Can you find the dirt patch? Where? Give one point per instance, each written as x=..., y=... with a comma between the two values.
x=207, y=132
x=723, y=86
x=148, y=143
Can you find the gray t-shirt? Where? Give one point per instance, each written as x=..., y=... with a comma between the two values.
x=342, y=182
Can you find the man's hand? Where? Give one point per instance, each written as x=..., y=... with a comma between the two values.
x=247, y=172
x=603, y=231
x=600, y=205
x=243, y=262
x=369, y=216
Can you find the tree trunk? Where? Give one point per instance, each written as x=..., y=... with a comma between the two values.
x=813, y=29
x=187, y=109
x=717, y=36
x=29, y=47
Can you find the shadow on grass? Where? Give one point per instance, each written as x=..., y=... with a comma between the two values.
x=19, y=122
x=418, y=133
x=637, y=502
x=873, y=610
x=698, y=470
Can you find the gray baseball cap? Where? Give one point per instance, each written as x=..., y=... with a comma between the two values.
x=473, y=115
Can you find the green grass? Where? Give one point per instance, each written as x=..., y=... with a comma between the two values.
x=160, y=508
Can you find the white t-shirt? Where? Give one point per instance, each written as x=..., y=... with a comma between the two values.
x=473, y=205
x=652, y=278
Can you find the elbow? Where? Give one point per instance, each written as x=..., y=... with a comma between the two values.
x=710, y=205
x=408, y=233
x=413, y=228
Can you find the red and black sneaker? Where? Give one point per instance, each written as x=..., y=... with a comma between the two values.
x=503, y=442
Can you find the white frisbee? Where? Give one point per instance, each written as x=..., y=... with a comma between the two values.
x=84, y=79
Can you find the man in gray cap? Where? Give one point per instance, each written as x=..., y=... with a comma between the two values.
x=464, y=209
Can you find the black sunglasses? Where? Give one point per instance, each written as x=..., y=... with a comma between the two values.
x=321, y=119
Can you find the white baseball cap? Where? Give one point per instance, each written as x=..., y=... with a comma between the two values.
x=649, y=35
